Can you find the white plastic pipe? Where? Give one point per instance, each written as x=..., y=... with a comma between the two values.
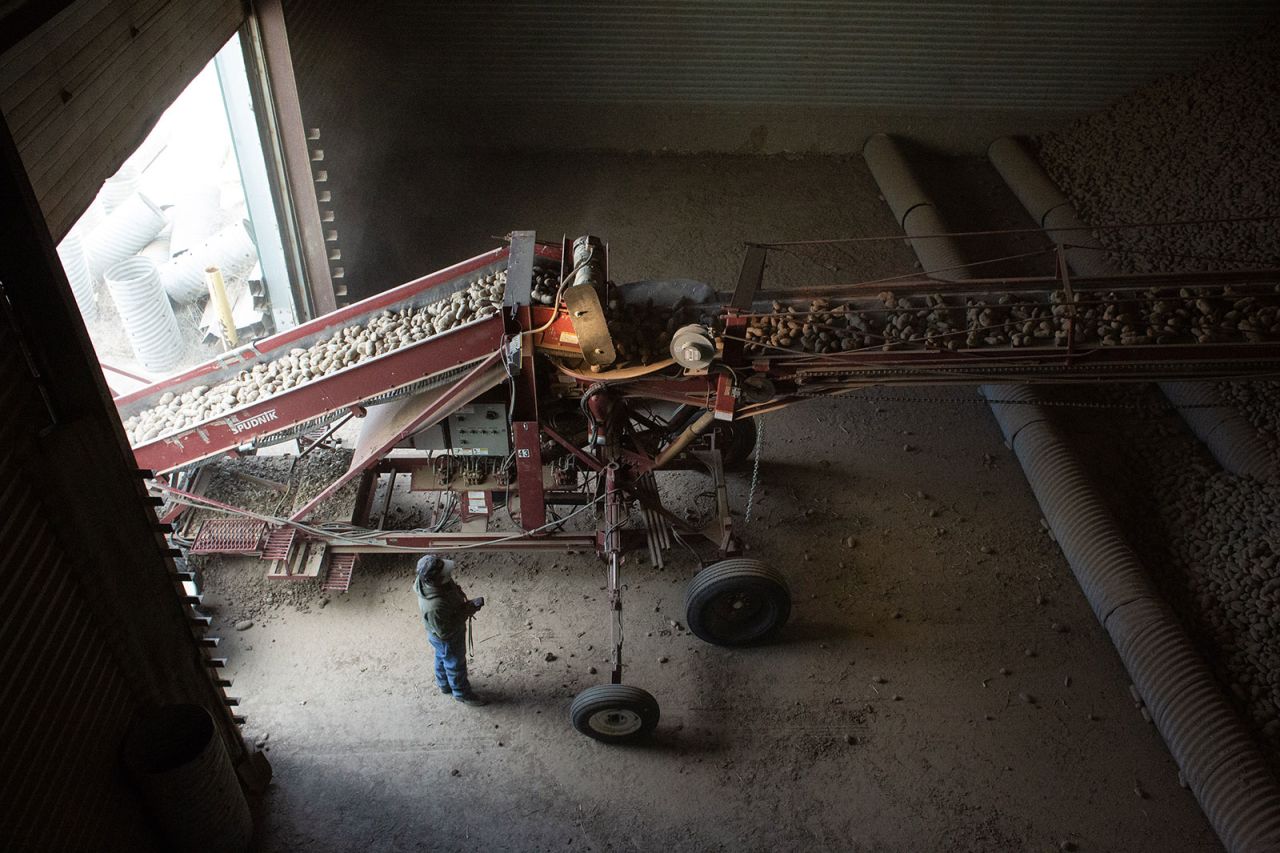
x=230, y=250
x=1222, y=765
x=1219, y=760
x=146, y=314
x=117, y=188
x=76, y=266
x=912, y=208
x=124, y=233
x=195, y=218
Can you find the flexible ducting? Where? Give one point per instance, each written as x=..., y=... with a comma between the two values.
x=1232, y=440
x=179, y=763
x=118, y=187
x=1219, y=760
x=146, y=314
x=125, y=232
x=195, y=218
x=230, y=250
x=912, y=208
x=76, y=267
x=1230, y=437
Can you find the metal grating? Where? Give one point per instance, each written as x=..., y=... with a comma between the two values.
x=229, y=536
x=338, y=578
x=279, y=543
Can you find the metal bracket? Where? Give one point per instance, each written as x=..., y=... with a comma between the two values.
x=589, y=324
x=749, y=278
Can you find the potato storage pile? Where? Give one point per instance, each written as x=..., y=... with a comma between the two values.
x=353, y=344
x=1199, y=148
x=1185, y=316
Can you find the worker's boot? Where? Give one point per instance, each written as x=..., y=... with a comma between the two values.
x=471, y=699
x=446, y=690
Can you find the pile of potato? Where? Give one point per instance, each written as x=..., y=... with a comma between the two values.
x=1189, y=315
x=388, y=331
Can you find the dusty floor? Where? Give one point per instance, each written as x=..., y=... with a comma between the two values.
x=1004, y=720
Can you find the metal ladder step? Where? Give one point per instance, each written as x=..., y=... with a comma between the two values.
x=338, y=578
x=279, y=543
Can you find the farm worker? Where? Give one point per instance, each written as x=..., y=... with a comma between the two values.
x=445, y=611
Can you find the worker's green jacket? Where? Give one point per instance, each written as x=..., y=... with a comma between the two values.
x=444, y=608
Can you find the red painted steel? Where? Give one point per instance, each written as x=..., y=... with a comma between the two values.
x=412, y=415
x=341, y=568
x=353, y=385
x=332, y=393
x=229, y=536
x=528, y=449
x=279, y=543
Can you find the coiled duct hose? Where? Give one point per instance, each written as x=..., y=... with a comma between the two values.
x=1219, y=760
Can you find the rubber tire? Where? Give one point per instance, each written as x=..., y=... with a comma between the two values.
x=609, y=697
x=736, y=440
x=705, y=599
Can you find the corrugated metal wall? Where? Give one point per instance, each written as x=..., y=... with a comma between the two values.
x=392, y=84
x=1069, y=55
x=81, y=92
x=66, y=702
x=91, y=623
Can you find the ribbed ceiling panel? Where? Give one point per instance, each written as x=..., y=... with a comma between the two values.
x=1015, y=55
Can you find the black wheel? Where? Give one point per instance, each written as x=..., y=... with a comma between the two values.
x=736, y=440
x=614, y=713
x=737, y=601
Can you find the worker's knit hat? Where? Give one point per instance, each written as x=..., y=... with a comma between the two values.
x=432, y=569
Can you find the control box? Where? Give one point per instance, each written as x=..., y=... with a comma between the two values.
x=480, y=429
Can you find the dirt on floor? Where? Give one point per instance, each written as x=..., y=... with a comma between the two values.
x=942, y=684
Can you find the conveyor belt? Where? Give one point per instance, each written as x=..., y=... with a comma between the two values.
x=875, y=354
x=411, y=368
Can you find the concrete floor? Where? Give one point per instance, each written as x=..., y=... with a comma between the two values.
x=951, y=582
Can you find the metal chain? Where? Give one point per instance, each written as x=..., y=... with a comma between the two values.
x=755, y=469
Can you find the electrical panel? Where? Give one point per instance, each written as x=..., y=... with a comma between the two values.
x=480, y=429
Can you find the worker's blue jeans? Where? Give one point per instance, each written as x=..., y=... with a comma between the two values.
x=451, y=663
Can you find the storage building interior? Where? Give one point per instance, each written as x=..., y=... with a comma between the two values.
x=896, y=465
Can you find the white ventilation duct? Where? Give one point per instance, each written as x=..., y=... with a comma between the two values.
x=231, y=250
x=124, y=233
x=117, y=188
x=76, y=266
x=146, y=314
x=195, y=218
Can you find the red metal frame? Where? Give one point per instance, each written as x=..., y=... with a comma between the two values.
x=344, y=389
x=436, y=405
x=501, y=348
